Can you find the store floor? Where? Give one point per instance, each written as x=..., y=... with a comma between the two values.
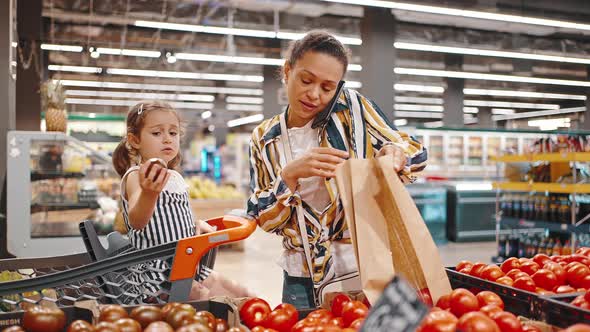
x=256, y=266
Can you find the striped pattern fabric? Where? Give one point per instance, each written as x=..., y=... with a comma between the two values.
x=358, y=126
x=172, y=220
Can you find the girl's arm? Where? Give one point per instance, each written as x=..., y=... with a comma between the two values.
x=143, y=191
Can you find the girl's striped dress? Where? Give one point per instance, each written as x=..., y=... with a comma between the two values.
x=172, y=220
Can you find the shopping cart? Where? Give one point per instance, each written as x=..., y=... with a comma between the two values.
x=160, y=274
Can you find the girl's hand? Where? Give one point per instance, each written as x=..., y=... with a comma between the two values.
x=316, y=162
x=204, y=227
x=153, y=177
x=399, y=156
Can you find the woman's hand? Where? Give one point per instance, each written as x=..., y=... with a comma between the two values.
x=153, y=179
x=399, y=156
x=204, y=227
x=316, y=162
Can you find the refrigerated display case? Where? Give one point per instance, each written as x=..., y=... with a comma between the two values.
x=56, y=181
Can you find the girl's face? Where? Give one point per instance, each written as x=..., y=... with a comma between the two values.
x=311, y=84
x=159, y=137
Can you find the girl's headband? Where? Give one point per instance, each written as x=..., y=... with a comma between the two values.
x=140, y=109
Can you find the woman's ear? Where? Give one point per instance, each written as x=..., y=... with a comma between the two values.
x=133, y=141
x=286, y=71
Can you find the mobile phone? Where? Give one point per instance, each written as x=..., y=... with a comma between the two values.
x=324, y=116
x=154, y=161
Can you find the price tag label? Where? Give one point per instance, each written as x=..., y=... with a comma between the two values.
x=398, y=309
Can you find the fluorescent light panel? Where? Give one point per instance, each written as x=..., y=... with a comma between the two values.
x=418, y=88
x=429, y=108
x=490, y=77
x=140, y=95
x=245, y=120
x=160, y=87
x=186, y=75
x=504, y=104
x=502, y=111
x=75, y=69
x=119, y=102
x=234, y=31
x=353, y=84
x=127, y=52
x=400, y=122
x=524, y=94
x=244, y=100
x=491, y=53
x=467, y=13
x=62, y=48
x=534, y=114
x=244, y=107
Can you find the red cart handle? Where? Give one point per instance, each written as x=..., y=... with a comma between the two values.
x=190, y=250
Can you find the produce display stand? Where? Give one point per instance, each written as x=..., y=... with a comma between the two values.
x=156, y=275
x=557, y=310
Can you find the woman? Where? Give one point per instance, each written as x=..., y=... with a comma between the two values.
x=298, y=167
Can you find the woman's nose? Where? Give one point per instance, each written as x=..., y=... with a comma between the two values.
x=313, y=92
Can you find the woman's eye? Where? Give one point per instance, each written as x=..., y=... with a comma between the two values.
x=327, y=89
x=173, y=133
x=305, y=81
x=156, y=133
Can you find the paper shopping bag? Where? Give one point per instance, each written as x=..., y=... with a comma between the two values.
x=387, y=230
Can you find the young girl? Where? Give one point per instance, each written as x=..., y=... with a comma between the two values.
x=156, y=205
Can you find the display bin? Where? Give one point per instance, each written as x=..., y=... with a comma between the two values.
x=517, y=301
x=73, y=313
x=557, y=310
x=150, y=276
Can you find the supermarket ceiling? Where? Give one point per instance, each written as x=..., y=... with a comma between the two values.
x=124, y=41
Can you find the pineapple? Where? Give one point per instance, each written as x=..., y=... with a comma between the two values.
x=53, y=97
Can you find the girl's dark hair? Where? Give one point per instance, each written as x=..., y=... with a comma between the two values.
x=321, y=42
x=125, y=155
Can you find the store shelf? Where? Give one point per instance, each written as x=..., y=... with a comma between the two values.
x=43, y=207
x=552, y=226
x=555, y=157
x=36, y=176
x=561, y=188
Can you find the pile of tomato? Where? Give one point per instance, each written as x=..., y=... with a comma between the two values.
x=346, y=315
x=463, y=311
x=542, y=274
x=173, y=317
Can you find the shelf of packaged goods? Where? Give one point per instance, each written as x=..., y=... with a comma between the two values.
x=551, y=226
x=555, y=157
x=561, y=188
x=36, y=176
x=44, y=207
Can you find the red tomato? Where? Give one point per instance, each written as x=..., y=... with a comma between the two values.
x=587, y=296
x=357, y=324
x=585, y=282
x=491, y=272
x=530, y=328
x=352, y=311
x=38, y=318
x=542, y=291
x=439, y=321
x=580, y=258
x=541, y=259
x=336, y=321
x=254, y=311
x=321, y=314
x=490, y=310
x=583, y=251
x=338, y=303
x=525, y=283
x=486, y=297
x=466, y=270
x=463, y=264
x=462, y=302
x=306, y=325
x=476, y=322
x=545, y=279
x=510, y=264
x=523, y=260
x=505, y=280
x=576, y=273
x=477, y=269
x=515, y=274
x=564, y=289
x=558, y=270
x=507, y=322
x=581, y=302
x=578, y=328
x=529, y=267
x=281, y=320
x=444, y=302
x=263, y=329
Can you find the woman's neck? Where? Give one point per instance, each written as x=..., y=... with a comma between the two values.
x=294, y=121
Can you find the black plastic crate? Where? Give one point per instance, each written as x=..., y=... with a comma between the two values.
x=557, y=310
x=517, y=301
x=8, y=319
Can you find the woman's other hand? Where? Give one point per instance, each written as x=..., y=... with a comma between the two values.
x=317, y=162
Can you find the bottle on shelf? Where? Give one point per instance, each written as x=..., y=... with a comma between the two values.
x=567, y=249
x=522, y=243
x=550, y=247
x=557, y=249
x=513, y=241
x=502, y=242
